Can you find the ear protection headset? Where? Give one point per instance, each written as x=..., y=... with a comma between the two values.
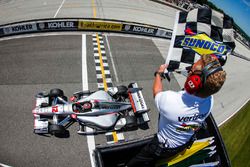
x=195, y=82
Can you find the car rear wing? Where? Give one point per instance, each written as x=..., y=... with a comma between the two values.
x=137, y=101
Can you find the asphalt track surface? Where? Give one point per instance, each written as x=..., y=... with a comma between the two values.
x=31, y=64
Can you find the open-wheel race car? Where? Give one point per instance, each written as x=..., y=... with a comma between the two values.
x=120, y=108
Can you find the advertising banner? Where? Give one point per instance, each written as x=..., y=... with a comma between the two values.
x=164, y=33
x=21, y=28
x=58, y=25
x=96, y=25
x=139, y=29
x=1, y=31
x=51, y=25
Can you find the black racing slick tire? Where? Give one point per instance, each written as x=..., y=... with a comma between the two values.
x=122, y=91
x=131, y=121
x=56, y=93
x=57, y=130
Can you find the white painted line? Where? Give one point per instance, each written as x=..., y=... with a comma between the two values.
x=100, y=85
x=59, y=8
x=4, y=165
x=99, y=76
x=97, y=61
x=102, y=46
x=108, y=80
x=172, y=41
x=104, y=58
x=105, y=64
x=107, y=72
x=98, y=68
x=90, y=138
x=112, y=60
x=84, y=64
x=96, y=54
x=234, y=112
x=20, y=36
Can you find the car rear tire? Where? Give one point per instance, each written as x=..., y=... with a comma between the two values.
x=56, y=92
x=131, y=121
x=57, y=130
x=122, y=91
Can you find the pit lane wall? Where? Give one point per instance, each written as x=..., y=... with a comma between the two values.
x=100, y=25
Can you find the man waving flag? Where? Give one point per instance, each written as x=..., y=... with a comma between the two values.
x=198, y=32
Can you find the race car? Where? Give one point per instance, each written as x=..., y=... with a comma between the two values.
x=119, y=108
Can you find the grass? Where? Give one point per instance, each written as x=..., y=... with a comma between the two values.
x=235, y=134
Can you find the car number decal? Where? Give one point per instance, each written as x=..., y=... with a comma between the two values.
x=54, y=108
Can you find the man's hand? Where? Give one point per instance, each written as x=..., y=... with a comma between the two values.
x=157, y=86
x=162, y=68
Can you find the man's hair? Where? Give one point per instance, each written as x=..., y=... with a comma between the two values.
x=214, y=81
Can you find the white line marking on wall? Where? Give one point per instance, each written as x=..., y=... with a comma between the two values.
x=90, y=138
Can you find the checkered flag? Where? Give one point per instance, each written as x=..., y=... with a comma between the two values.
x=218, y=27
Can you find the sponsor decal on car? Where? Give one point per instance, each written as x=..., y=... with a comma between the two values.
x=54, y=108
x=103, y=105
x=141, y=100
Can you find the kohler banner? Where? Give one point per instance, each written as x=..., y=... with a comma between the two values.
x=20, y=28
x=139, y=29
x=58, y=25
